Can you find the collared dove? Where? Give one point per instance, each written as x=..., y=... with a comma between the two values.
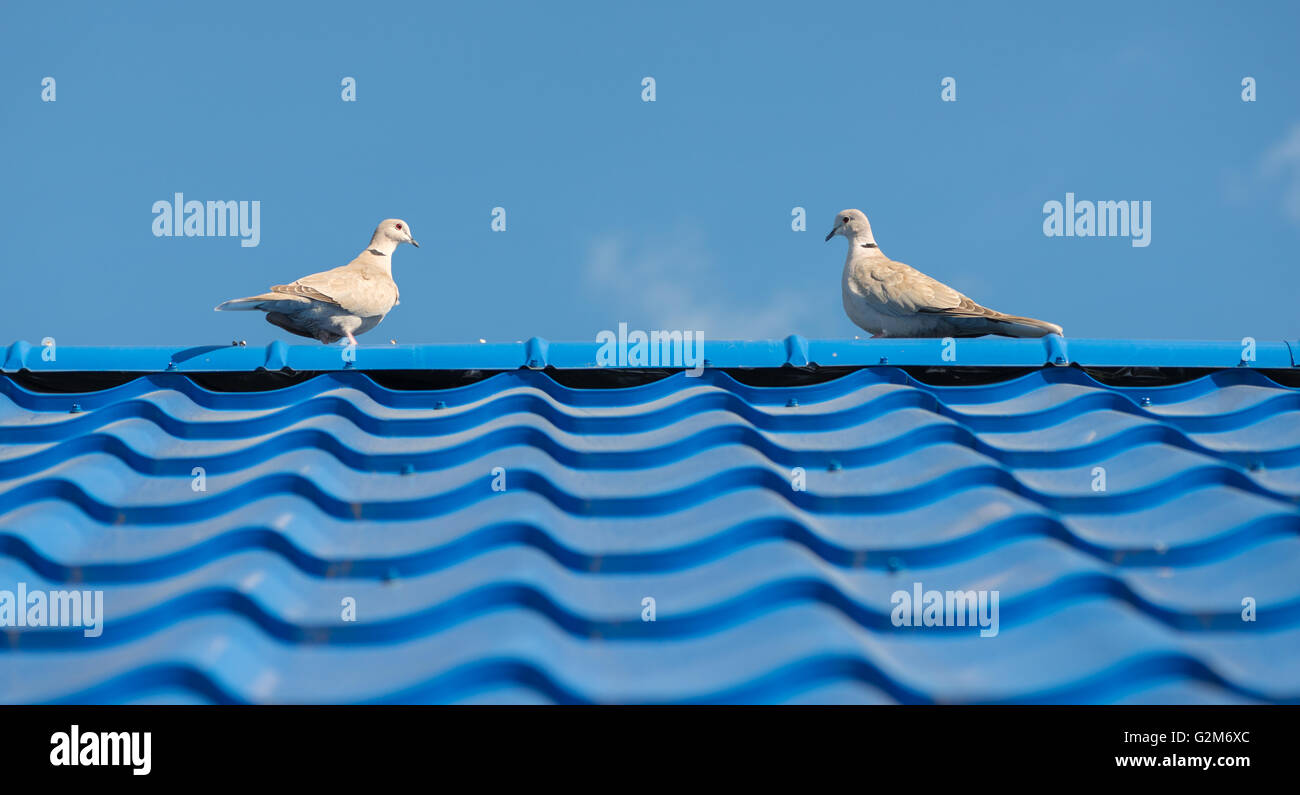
x=890, y=299
x=338, y=303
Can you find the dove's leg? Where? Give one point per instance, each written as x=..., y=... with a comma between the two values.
x=351, y=339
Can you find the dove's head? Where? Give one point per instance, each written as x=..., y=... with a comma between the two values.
x=852, y=224
x=395, y=231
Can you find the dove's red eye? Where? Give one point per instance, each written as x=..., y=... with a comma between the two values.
x=399, y=226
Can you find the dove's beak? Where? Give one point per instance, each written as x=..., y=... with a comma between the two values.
x=831, y=234
x=417, y=245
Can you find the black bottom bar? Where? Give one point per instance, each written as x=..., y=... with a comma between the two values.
x=331, y=745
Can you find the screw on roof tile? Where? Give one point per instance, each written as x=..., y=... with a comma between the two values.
x=408, y=469
x=440, y=405
x=884, y=360
x=791, y=403
x=1255, y=466
x=76, y=409
x=894, y=564
x=1059, y=359
x=390, y=575
x=708, y=362
x=171, y=365
x=834, y=466
x=1146, y=401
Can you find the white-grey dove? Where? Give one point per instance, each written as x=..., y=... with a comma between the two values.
x=890, y=299
x=338, y=303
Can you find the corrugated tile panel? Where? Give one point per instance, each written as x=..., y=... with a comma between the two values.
x=499, y=539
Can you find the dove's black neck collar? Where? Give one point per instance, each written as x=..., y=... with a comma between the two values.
x=377, y=252
x=869, y=245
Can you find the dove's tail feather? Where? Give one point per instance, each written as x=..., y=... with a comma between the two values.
x=972, y=320
x=1013, y=326
x=245, y=304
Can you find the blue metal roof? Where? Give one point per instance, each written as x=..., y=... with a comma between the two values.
x=679, y=490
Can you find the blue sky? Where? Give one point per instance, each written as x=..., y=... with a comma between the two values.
x=671, y=214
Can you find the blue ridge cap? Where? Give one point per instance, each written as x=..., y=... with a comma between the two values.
x=537, y=353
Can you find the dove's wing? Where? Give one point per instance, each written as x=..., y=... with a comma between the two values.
x=323, y=286
x=901, y=290
x=358, y=289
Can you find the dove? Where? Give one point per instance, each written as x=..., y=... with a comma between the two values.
x=890, y=299
x=338, y=303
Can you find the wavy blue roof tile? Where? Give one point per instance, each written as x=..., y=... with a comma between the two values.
x=679, y=489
